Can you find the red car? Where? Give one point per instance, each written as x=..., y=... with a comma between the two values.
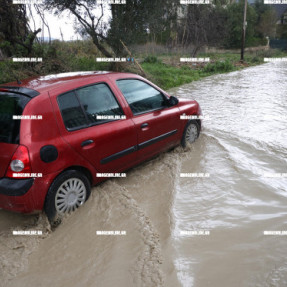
x=60, y=133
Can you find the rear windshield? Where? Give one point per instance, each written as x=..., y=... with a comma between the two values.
x=11, y=104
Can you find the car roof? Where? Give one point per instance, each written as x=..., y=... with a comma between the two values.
x=46, y=83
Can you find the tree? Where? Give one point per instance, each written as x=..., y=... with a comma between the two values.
x=204, y=25
x=15, y=34
x=128, y=23
x=266, y=20
x=135, y=22
x=234, y=24
x=13, y=25
x=140, y=21
x=90, y=17
x=267, y=24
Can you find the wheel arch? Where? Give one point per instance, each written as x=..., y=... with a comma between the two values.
x=81, y=169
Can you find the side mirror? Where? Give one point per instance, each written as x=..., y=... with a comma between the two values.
x=172, y=101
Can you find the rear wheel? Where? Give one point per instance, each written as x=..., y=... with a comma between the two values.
x=69, y=191
x=190, y=134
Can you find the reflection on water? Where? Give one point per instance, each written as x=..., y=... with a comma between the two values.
x=242, y=145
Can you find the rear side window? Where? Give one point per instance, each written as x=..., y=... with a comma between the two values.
x=71, y=110
x=99, y=103
x=140, y=96
x=88, y=106
x=11, y=105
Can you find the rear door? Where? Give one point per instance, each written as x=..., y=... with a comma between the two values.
x=156, y=123
x=11, y=105
x=93, y=122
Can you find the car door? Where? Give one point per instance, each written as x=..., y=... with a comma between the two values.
x=93, y=124
x=157, y=123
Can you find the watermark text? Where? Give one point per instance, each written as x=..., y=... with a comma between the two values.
x=111, y=1
x=26, y=117
x=110, y=117
x=275, y=232
x=111, y=175
x=111, y=59
x=275, y=59
x=27, y=59
x=27, y=232
x=194, y=232
x=195, y=60
x=27, y=175
x=193, y=117
x=111, y=232
x=194, y=174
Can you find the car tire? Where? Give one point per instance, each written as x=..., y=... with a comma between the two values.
x=67, y=192
x=190, y=134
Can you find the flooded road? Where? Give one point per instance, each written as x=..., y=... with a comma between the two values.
x=180, y=231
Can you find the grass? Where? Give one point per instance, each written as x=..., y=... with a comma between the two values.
x=164, y=70
x=168, y=75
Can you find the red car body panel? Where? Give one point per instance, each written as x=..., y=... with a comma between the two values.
x=140, y=137
x=6, y=152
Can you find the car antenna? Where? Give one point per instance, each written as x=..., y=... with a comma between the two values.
x=17, y=80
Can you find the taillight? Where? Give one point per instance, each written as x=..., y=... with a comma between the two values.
x=20, y=163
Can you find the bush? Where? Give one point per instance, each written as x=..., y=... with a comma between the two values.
x=254, y=42
x=256, y=60
x=225, y=66
x=151, y=59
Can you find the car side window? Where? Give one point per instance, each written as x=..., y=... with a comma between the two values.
x=71, y=110
x=89, y=105
x=99, y=103
x=140, y=96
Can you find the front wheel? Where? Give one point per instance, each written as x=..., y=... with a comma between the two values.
x=69, y=191
x=190, y=134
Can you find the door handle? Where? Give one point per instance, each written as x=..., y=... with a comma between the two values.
x=144, y=125
x=86, y=142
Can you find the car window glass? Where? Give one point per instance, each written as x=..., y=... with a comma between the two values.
x=140, y=96
x=11, y=105
x=71, y=110
x=99, y=101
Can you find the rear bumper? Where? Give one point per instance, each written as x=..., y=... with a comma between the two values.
x=24, y=195
x=15, y=187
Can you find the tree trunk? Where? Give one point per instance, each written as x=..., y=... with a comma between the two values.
x=103, y=50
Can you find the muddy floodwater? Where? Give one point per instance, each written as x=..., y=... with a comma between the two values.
x=227, y=227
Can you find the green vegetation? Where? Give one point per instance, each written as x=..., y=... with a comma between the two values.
x=217, y=67
x=151, y=59
x=167, y=76
x=58, y=57
x=234, y=24
x=164, y=70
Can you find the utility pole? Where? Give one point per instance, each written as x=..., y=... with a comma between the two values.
x=243, y=31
